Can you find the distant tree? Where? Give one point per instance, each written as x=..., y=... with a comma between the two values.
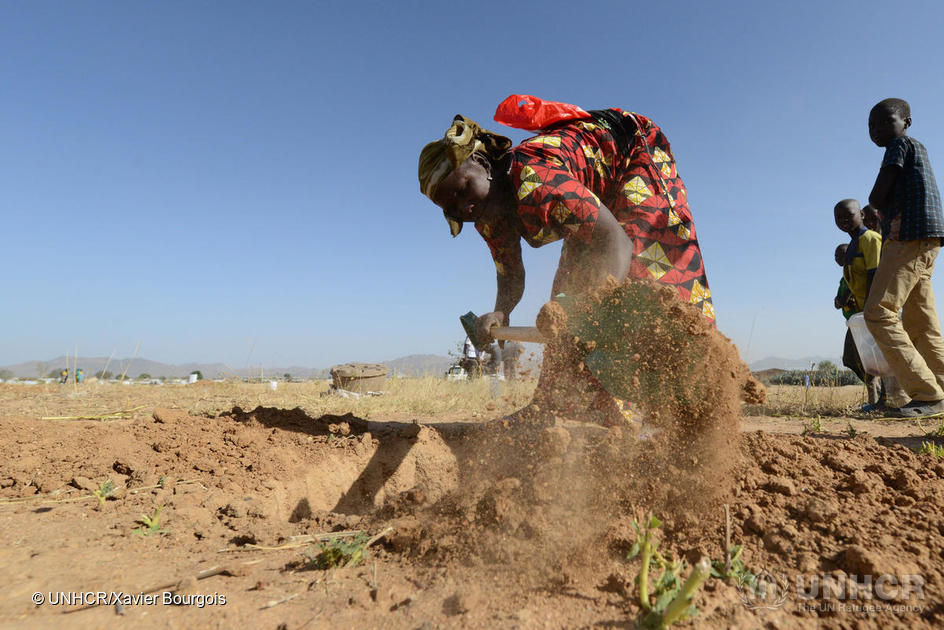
x=52, y=374
x=6, y=375
x=105, y=375
x=287, y=376
x=826, y=366
x=199, y=374
x=826, y=374
x=144, y=375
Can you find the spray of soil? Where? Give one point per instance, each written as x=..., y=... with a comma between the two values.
x=550, y=491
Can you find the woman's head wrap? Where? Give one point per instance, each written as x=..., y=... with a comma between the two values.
x=439, y=158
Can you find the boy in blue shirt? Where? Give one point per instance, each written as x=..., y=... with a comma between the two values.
x=906, y=195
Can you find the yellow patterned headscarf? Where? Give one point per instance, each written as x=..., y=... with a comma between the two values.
x=439, y=158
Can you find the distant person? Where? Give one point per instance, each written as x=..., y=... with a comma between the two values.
x=468, y=350
x=63, y=377
x=471, y=360
x=491, y=360
x=510, y=356
x=503, y=361
x=907, y=196
x=79, y=375
x=861, y=258
x=871, y=218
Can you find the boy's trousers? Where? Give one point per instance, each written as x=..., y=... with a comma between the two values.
x=912, y=346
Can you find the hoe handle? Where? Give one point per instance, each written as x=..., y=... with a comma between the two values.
x=517, y=333
x=502, y=333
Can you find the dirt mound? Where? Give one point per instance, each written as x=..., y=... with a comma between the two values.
x=827, y=518
x=294, y=465
x=857, y=506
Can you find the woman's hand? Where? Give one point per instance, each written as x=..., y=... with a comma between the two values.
x=484, y=324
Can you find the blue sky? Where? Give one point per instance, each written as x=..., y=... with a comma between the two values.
x=213, y=177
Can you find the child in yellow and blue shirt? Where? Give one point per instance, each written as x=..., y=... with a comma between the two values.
x=859, y=261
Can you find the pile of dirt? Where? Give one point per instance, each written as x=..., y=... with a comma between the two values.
x=856, y=506
x=824, y=519
x=292, y=465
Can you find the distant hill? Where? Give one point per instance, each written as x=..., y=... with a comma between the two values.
x=132, y=367
x=420, y=365
x=802, y=363
x=413, y=365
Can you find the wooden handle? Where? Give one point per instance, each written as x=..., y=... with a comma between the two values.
x=517, y=333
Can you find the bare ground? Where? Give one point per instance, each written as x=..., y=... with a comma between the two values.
x=525, y=549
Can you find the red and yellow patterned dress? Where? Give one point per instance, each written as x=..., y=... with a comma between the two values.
x=619, y=159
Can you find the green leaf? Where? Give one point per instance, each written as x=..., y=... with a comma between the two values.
x=634, y=551
x=654, y=522
x=670, y=580
x=663, y=600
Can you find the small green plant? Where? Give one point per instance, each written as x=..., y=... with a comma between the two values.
x=337, y=552
x=851, y=431
x=150, y=524
x=814, y=426
x=670, y=600
x=734, y=569
x=104, y=490
x=931, y=448
x=935, y=432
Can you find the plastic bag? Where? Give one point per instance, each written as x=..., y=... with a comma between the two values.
x=522, y=111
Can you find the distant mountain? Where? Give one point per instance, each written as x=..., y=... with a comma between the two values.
x=420, y=365
x=133, y=368
x=413, y=365
x=790, y=364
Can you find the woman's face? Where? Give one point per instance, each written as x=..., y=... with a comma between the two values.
x=464, y=193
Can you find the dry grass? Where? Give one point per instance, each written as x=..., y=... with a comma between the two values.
x=805, y=402
x=407, y=397
x=403, y=399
